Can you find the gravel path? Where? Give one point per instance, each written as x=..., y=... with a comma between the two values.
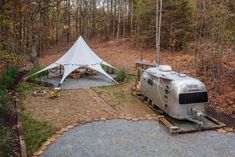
x=121, y=138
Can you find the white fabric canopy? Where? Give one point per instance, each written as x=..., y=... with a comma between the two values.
x=79, y=55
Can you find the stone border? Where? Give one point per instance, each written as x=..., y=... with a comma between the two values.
x=23, y=150
x=58, y=133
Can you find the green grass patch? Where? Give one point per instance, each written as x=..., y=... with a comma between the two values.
x=130, y=78
x=118, y=94
x=35, y=133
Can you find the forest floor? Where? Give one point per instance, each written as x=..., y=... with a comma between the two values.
x=123, y=54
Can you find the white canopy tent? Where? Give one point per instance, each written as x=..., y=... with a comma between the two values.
x=79, y=55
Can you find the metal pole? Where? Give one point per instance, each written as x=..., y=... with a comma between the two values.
x=158, y=28
x=157, y=16
x=159, y=31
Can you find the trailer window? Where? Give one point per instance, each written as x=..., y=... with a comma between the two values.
x=189, y=98
x=150, y=82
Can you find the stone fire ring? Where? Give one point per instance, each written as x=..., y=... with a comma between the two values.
x=39, y=93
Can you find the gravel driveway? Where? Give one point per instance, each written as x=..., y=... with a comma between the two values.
x=121, y=138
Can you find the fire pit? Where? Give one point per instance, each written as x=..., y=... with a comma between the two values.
x=39, y=93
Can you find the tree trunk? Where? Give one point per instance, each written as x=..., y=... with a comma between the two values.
x=108, y=21
x=111, y=16
x=57, y=24
x=93, y=18
x=114, y=18
x=119, y=18
x=132, y=12
x=68, y=21
x=80, y=18
x=124, y=19
x=34, y=48
x=76, y=16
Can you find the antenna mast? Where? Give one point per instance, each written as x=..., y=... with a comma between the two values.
x=158, y=28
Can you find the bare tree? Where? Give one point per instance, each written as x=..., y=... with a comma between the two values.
x=119, y=18
x=124, y=19
x=132, y=13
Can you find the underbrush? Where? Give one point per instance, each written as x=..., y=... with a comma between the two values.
x=7, y=136
x=7, y=119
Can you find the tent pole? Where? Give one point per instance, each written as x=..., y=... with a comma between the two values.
x=60, y=71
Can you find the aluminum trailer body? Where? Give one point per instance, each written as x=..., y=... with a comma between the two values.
x=178, y=95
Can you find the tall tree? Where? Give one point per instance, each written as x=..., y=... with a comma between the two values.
x=119, y=18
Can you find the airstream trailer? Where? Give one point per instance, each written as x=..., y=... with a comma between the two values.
x=178, y=95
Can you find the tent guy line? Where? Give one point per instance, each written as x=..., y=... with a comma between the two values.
x=78, y=56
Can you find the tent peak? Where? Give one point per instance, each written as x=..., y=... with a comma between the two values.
x=80, y=38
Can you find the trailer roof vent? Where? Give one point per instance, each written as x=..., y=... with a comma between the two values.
x=165, y=68
x=182, y=75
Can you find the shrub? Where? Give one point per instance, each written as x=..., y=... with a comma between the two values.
x=6, y=82
x=7, y=135
x=34, y=70
x=108, y=69
x=111, y=70
x=104, y=67
x=8, y=78
x=121, y=75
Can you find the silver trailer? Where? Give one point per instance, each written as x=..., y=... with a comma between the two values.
x=178, y=95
